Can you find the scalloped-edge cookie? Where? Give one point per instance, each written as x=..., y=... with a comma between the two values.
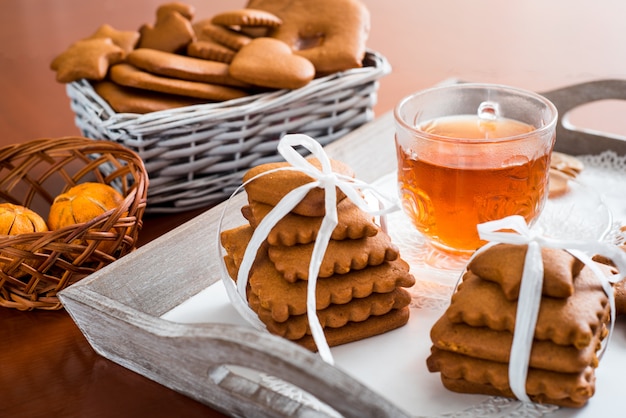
x=208, y=49
x=246, y=17
x=504, y=264
x=566, y=321
x=293, y=229
x=485, y=343
x=341, y=257
x=271, y=188
x=334, y=316
x=284, y=299
x=355, y=331
x=228, y=37
x=464, y=374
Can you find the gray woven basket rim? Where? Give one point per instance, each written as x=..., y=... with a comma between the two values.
x=255, y=103
x=228, y=137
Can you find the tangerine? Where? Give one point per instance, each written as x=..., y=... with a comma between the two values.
x=82, y=203
x=17, y=219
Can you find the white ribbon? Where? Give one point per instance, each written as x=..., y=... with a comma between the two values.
x=499, y=231
x=325, y=179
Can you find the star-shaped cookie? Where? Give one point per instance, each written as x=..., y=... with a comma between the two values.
x=127, y=40
x=87, y=58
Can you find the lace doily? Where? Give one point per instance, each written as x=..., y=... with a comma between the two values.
x=606, y=173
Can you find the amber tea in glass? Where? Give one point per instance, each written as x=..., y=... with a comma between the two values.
x=471, y=153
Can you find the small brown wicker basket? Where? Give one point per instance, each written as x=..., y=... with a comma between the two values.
x=35, y=266
x=196, y=155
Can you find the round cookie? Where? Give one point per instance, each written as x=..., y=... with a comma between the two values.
x=130, y=76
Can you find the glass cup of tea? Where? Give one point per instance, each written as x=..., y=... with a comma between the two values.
x=470, y=153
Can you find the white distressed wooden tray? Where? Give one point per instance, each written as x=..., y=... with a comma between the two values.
x=120, y=308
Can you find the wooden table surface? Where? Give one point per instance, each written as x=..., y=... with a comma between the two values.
x=47, y=368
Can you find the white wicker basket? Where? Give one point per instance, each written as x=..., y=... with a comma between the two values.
x=195, y=156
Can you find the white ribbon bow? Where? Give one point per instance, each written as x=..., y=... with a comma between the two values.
x=329, y=181
x=532, y=282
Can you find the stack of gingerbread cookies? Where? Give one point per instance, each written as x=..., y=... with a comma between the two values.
x=472, y=340
x=360, y=290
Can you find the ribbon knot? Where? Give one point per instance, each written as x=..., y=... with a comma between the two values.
x=514, y=230
x=326, y=179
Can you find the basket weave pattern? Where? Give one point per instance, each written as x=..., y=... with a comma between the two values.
x=197, y=155
x=35, y=266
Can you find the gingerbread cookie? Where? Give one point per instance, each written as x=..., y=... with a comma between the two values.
x=182, y=67
x=559, y=184
x=340, y=258
x=489, y=344
x=355, y=331
x=358, y=287
x=295, y=229
x=473, y=339
x=329, y=33
x=334, y=316
x=185, y=10
x=88, y=58
x=285, y=299
x=619, y=290
x=503, y=264
x=130, y=76
x=225, y=36
x=127, y=40
x=270, y=63
x=572, y=320
x=172, y=32
x=466, y=374
x=129, y=100
x=246, y=17
x=271, y=188
x=563, y=168
x=210, y=50
x=567, y=164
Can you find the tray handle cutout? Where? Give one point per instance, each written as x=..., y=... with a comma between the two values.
x=578, y=141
